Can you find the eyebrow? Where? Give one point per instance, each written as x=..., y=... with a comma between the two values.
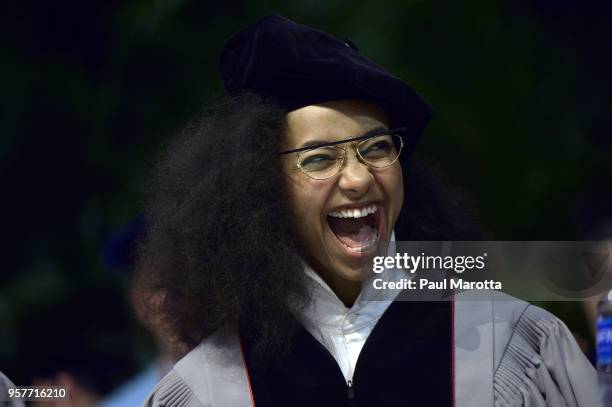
x=311, y=144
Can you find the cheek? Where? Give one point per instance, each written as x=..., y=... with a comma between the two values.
x=295, y=194
x=307, y=199
x=393, y=184
x=399, y=188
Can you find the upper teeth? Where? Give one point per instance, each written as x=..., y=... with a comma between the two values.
x=354, y=213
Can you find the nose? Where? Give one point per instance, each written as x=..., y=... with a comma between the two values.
x=355, y=177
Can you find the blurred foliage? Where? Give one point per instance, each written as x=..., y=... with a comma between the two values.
x=91, y=91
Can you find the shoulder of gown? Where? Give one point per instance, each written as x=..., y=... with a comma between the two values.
x=511, y=353
x=541, y=365
x=172, y=391
x=212, y=374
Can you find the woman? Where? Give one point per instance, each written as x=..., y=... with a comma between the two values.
x=263, y=216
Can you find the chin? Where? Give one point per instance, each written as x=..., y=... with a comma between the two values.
x=350, y=273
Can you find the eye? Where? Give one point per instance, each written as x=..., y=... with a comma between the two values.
x=319, y=159
x=379, y=147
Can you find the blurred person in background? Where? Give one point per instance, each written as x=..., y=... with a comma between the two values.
x=264, y=212
x=118, y=253
x=80, y=341
x=135, y=390
x=79, y=395
x=594, y=223
x=89, y=335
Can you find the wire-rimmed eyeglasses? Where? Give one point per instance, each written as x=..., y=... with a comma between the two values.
x=379, y=148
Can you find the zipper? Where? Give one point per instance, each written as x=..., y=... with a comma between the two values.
x=351, y=393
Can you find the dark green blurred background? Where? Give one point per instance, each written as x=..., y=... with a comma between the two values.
x=91, y=91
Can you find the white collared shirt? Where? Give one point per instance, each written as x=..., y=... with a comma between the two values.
x=343, y=331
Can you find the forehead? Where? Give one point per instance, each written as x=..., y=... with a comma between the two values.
x=332, y=121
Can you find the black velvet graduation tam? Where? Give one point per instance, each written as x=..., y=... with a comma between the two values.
x=297, y=65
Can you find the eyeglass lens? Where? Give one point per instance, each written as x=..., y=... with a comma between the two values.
x=325, y=162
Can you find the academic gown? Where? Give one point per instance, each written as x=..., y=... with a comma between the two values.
x=493, y=351
x=5, y=384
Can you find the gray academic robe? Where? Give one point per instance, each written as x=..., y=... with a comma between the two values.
x=507, y=353
x=5, y=383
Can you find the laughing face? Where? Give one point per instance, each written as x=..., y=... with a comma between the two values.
x=343, y=219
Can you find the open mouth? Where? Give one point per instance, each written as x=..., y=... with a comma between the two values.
x=358, y=229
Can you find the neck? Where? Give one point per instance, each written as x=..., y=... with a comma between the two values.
x=347, y=291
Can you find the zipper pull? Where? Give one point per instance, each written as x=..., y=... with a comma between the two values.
x=351, y=392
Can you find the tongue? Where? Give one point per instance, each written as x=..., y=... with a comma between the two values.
x=354, y=232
